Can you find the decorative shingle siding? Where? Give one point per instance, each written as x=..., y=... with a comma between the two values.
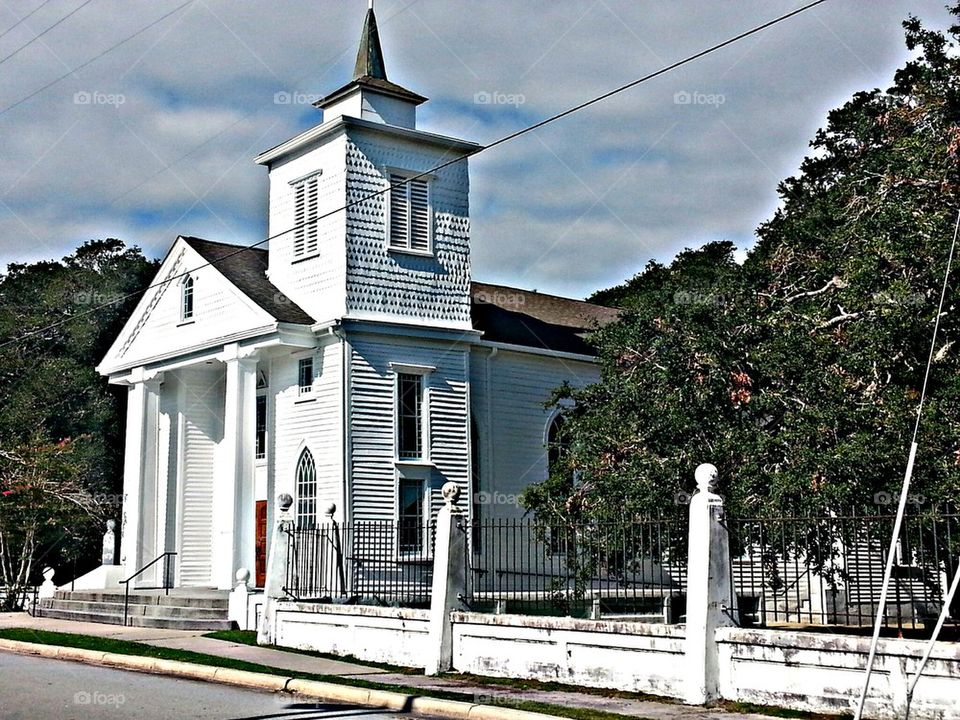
x=372, y=422
x=381, y=282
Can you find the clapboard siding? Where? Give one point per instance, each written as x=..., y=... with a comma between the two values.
x=202, y=393
x=509, y=392
x=316, y=424
x=372, y=421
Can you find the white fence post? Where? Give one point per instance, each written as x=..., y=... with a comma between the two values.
x=276, y=571
x=709, y=592
x=449, y=581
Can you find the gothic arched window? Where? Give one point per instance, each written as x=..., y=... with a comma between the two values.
x=306, y=490
x=186, y=298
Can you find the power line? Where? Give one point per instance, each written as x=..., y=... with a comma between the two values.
x=441, y=166
x=95, y=57
x=32, y=40
x=26, y=17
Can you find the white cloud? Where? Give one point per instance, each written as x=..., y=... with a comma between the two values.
x=593, y=197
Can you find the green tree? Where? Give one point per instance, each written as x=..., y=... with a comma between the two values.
x=797, y=374
x=60, y=423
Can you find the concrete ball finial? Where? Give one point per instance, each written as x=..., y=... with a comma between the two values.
x=451, y=492
x=243, y=575
x=706, y=476
x=48, y=573
x=330, y=510
x=285, y=500
x=111, y=524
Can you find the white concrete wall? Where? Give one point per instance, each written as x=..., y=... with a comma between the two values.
x=637, y=657
x=824, y=672
x=389, y=635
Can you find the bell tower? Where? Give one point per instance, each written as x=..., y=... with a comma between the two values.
x=370, y=218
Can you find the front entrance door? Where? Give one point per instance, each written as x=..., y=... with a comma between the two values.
x=260, y=578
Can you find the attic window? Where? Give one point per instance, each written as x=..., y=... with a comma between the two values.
x=411, y=219
x=186, y=299
x=306, y=204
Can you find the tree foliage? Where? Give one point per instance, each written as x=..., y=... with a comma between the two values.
x=797, y=373
x=61, y=427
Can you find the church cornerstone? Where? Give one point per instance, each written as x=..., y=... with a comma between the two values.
x=709, y=589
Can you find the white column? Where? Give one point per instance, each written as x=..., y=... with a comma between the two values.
x=233, y=491
x=709, y=589
x=139, y=465
x=449, y=582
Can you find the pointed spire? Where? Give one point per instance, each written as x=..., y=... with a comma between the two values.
x=370, y=55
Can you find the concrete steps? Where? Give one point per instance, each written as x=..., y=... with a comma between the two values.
x=180, y=610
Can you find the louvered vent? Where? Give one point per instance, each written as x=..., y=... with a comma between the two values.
x=409, y=214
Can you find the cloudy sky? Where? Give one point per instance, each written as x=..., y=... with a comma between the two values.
x=156, y=138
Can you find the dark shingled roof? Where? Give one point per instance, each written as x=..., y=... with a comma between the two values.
x=523, y=317
x=504, y=314
x=246, y=268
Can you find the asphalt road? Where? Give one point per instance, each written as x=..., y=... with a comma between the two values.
x=34, y=688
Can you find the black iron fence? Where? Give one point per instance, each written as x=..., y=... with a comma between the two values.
x=374, y=562
x=828, y=570
x=798, y=571
x=634, y=568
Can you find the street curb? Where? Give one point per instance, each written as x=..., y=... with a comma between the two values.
x=327, y=691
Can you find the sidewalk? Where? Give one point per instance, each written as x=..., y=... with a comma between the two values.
x=486, y=694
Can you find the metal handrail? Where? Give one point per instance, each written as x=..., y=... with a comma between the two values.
x=165, y=587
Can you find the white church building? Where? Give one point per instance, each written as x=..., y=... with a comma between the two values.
x=355, y=362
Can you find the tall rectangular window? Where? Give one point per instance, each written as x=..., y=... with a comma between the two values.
x=409, y=416
x=410, y=216
x=261, y=427
x=305, y=375
x=306, y=202
x=412, y=519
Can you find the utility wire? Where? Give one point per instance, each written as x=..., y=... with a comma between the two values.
x=32, y=40
x=95, y=58
x=905, y=489
x=26, y=17
x=470, y=153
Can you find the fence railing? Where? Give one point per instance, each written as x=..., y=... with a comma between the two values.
x=804, y=570
x=382, y=562
x=828, y=570
x=634, y=568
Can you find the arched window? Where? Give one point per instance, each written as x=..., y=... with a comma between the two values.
x=186, y=298
x=306, y=490
x=556, y=444
x=561, y=538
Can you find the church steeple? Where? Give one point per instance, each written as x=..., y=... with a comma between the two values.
x=369, y=95
x=370, y=56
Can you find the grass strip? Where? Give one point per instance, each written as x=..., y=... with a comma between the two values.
x=249, y=637
x=126, y=647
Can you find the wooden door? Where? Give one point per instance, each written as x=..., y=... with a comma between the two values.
x=260, y=578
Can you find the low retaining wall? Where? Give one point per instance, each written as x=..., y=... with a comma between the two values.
x=389, y=635
x=637, y=657
x=823, y=672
